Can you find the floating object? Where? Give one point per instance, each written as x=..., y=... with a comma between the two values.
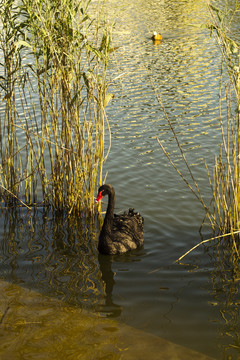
x=156, y=36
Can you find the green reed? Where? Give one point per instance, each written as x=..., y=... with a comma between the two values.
x=54, y=60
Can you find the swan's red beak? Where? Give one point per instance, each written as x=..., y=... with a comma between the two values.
x=99, y=197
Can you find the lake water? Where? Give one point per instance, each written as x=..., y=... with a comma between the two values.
x=195, y=303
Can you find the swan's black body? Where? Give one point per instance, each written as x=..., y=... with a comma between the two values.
x=120, y=233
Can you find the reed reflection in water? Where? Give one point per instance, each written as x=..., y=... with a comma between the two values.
x=58, y=257
x=52, y=254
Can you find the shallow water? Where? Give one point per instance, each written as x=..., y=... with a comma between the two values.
x=30, y=329
x=194, y=304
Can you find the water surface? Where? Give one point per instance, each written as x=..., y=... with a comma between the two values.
x=185, y=303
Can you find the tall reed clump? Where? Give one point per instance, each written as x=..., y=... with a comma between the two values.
x=225, y=181
x=223, y=212
x=54, y=91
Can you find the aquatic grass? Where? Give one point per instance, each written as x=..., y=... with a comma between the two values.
x=226, y=177
x=54, y=92
x=223, y=211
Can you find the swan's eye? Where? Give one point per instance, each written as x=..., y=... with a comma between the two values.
x=99, y=197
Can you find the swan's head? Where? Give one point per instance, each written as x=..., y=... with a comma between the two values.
x=99, y=197
x=105, y=189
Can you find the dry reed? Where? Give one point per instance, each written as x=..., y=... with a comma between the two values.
x=223, y=211
x=53, y=72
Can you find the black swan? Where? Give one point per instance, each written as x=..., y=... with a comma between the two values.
x=120, y=233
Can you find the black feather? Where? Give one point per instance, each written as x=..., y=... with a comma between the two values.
x=120, y=233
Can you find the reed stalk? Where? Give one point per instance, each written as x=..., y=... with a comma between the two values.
x=54, y=56
x=225, y=182
x=223, y=211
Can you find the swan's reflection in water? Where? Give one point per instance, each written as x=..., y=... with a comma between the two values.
x=109, y=309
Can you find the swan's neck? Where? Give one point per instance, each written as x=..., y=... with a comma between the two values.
x=110, y=212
